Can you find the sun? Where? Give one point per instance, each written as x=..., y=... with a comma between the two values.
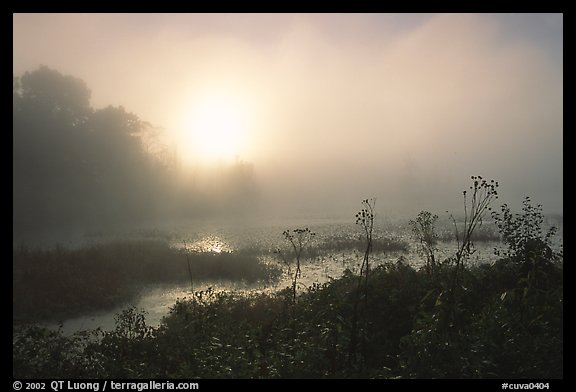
x=215, y=129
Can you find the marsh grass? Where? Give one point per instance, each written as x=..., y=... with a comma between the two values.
x=485, y=233
x=347, y=243
x=59, y=282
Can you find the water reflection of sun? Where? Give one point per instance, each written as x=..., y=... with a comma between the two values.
x=210, y=244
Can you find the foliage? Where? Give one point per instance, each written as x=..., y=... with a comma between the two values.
x=501, y=331
x=424, y=231
x=523, y=234
x=503, y=334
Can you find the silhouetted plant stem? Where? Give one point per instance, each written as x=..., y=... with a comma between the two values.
x=365, y=218
x=483, y=193
x=189, y=267
x=298, y=239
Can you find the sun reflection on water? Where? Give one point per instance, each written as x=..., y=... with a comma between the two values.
x=210, y=244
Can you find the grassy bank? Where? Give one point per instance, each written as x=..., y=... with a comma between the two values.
x=498, y=324
x=55, y=283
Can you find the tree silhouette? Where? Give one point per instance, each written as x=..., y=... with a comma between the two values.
x=77, y=167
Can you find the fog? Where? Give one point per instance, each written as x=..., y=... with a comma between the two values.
x=326, y=110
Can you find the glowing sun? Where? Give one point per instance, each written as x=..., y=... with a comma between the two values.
x=215, y=129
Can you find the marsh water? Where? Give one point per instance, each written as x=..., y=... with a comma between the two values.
x=263, y=239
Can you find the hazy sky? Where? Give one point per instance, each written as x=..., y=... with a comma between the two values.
x=333, y=108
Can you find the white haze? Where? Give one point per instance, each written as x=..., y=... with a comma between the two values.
x=404, y=108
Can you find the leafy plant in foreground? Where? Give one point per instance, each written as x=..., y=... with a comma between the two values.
x=524, y=236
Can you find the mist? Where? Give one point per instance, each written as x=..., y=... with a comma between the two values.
x=401, y=107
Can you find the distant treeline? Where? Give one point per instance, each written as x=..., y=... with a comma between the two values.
x=75, y=166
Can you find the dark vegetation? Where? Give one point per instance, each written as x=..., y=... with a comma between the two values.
x=54, y=283
x=500, y=329
x=454, y=320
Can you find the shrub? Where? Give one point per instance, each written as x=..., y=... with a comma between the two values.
x=527, y=244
